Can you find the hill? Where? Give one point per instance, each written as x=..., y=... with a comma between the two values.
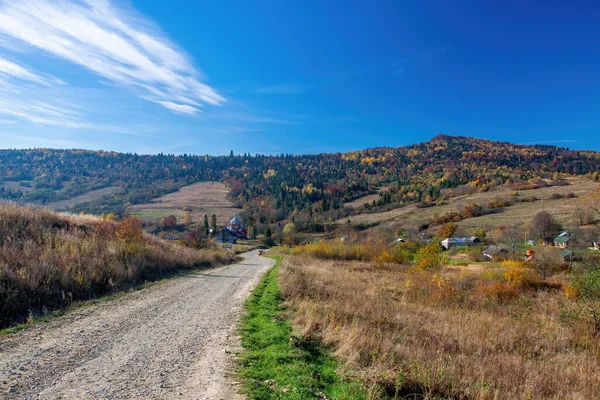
x=49, y=260
x=310, y=189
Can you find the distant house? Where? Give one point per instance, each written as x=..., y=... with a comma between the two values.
x=496, y=252
x=226, y=236
x=547, y=241
x=569, y=256
x=237, y=227
x=529, y=256
x=454, y=242
x=234, y=231
x=562, y=240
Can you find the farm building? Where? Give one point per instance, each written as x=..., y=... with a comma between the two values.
x=496, y=252
x=562, y=240
x=454, y=242
x=567, y=255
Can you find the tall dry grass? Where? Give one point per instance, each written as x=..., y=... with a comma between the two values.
x=48, y=260
x=445, y=335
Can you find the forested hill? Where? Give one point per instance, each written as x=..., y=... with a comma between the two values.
x=279, y=187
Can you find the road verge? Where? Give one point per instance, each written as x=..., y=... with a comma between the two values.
x=275, y=364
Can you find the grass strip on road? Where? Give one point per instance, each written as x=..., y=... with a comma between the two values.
x=277, y=365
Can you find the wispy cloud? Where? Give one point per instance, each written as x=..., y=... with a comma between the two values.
x=119, y=47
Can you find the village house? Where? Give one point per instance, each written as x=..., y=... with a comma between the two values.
x=496, y=252
x=562, y=240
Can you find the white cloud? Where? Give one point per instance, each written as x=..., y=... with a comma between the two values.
x=120, y=48
x=9, y=69
x=178, y=108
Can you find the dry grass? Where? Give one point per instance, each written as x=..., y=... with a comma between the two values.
x=90, y=196
x=48, y=260
x=562, y=209
x=360, y=202
x=452, y=335
x=204, y=198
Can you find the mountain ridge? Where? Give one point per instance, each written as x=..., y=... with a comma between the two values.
x=275, y=188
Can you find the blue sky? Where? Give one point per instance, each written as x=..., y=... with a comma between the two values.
x=296, y=77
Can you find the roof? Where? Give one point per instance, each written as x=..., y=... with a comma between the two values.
x=461, y=241
x=495, y=250
x=561, y=239
x=235, y=220
x=565, y=253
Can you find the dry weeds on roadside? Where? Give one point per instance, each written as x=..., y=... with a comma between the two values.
x=445, y=335
x=48, y=260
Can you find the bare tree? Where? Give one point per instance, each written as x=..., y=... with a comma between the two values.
x=546, y=262
x=544, y=224
x=511, y=237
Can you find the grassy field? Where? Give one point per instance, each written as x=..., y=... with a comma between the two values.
x=456, y=334
x=204, y=198
x=562, y=209
x=278, y=365
x=92, y=195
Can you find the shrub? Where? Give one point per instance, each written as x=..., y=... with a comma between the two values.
x=447, y=230
x=514, y=272
x=499, y=291
x=429, y=257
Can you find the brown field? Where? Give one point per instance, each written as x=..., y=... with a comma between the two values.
x=92, y=195
x=360, y=202
x=562, y=209
x=204, y=198
x=459, y=334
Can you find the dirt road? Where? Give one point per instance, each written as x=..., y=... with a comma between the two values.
x=173, y=340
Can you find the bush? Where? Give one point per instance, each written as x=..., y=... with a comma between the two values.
x=429, y=257
x=447, y=230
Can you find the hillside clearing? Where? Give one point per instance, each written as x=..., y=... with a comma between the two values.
x=203, y=198
x=87, y=197
x=360, y=202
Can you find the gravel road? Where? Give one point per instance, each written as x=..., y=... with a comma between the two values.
x=173, y=340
